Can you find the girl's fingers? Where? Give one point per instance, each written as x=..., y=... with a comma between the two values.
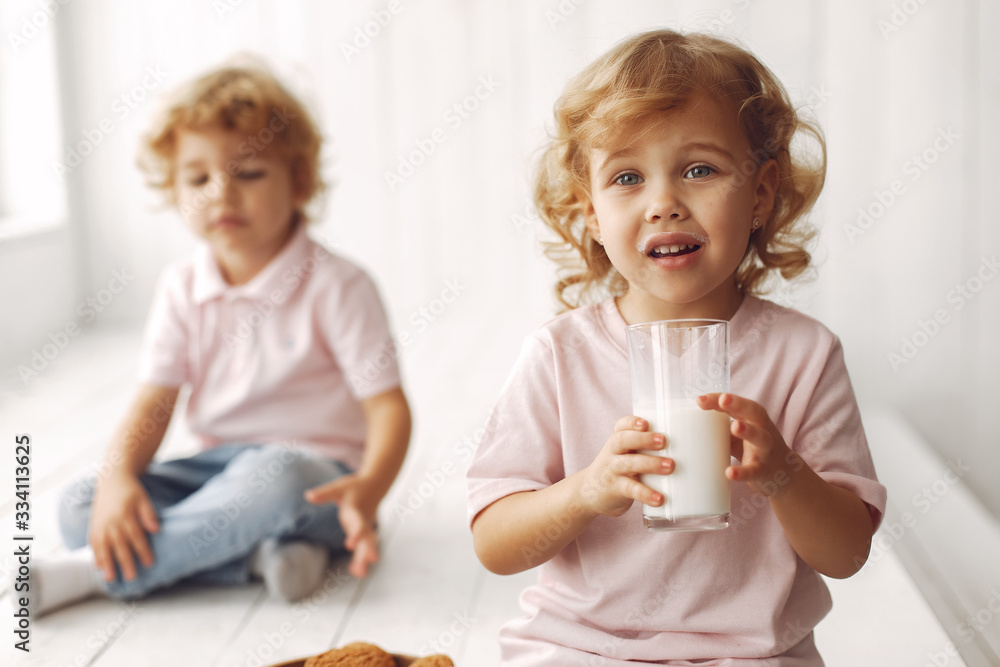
x=642, y=464
x=735, y=406
x=613, y=477
x=631, y=441
x=735, y=446
x=745, y=472
x=709, y=402
x=634, y=489
x=631, y=423
x=747, y=432
x=738, y=429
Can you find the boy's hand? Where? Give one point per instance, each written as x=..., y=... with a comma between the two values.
x=121, y=516
x=765, y=459
x=611, y=483
x=356, y=512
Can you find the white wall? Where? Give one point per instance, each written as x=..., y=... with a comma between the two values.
x=882, y=95
x=898, y=94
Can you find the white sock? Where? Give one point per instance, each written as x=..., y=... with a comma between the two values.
x=61, y=580
x=290, y=570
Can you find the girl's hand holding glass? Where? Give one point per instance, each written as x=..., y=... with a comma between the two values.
x=766, y=462
x=611, y=483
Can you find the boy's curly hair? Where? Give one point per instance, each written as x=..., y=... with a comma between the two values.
x=246, y=99
x=636, y=81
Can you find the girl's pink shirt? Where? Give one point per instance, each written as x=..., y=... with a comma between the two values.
x=619, y=592
x=284, y=358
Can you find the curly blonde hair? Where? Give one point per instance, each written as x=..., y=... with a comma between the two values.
x=636, y=81
x=246, y=99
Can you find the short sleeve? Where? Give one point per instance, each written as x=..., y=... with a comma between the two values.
x=163, y=359
x=521, y=447
x=357, y=331
x=831, y=438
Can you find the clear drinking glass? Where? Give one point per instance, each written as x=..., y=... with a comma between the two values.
x=672, y=362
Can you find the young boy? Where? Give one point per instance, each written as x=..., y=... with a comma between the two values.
x=273, y=334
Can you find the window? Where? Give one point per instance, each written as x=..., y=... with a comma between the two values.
x=32, y=190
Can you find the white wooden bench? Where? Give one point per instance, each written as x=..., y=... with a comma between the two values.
x=429, y=593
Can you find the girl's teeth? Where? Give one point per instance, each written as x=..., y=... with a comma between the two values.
x=672, y=249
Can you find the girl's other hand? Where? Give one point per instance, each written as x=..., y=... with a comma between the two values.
x=766, y=462
x=611, y=483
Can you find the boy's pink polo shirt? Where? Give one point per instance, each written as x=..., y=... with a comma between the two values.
x=286, y=357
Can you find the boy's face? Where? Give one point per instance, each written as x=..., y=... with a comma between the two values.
x=674, y=207
x=241, y=200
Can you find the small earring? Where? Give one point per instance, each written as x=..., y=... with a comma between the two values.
x=600, y=239
x=755, y=225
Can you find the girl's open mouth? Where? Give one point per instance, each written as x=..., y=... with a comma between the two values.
x=677, y=243
x=674, y=250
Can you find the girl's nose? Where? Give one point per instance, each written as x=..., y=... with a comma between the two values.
x=665, y=204
x=225, y=191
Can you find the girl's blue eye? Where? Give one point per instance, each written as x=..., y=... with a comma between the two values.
x=701, y=171
x=251, y=175
x=198, y=181
x=629, y=179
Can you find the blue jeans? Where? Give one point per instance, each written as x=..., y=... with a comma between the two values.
x=214, y=509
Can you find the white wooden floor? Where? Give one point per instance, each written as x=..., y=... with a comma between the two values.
x=428, y=594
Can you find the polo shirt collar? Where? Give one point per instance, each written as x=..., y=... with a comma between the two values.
x=209, y=283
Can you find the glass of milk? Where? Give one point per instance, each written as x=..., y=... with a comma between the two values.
x=672, y=362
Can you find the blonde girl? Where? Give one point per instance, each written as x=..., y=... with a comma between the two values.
x=673, y=185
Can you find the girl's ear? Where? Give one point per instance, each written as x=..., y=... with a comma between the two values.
x=766, y=189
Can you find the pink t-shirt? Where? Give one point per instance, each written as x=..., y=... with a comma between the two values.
x=284, y=358
x=740, y=595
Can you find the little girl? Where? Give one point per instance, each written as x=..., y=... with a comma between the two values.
x=670, y=176
x=275, y=336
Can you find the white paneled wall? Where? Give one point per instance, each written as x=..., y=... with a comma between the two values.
x=910, y=107
x=904, y=90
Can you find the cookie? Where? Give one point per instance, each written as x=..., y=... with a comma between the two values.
x=358, y=654
x=433, y=661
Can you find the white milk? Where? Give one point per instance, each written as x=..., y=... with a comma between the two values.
x=698, y=442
